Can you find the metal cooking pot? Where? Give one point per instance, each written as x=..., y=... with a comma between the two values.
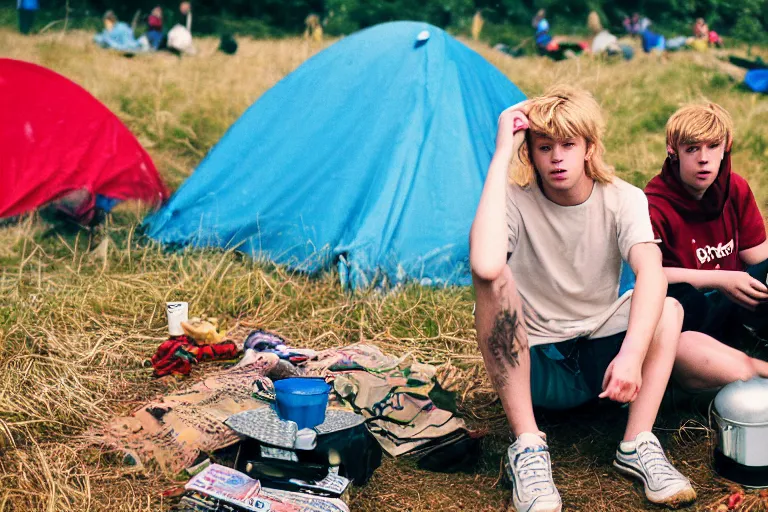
x=741, y=413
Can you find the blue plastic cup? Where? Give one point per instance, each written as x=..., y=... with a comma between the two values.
x=302, y=400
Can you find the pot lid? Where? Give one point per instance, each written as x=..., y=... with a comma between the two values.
x=744, y=401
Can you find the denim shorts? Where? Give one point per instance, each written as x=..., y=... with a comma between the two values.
x=570, y=373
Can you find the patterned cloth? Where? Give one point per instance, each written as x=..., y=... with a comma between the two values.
x=174, y=429
x=393, y=394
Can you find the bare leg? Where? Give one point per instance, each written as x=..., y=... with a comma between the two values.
x=503, y=343
x=705, y=363
x=656, y=370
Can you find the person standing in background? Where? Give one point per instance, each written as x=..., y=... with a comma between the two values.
x=477, y=25
x=185, y=9
x=27, y=10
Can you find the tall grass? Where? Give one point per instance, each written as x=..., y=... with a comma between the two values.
x=76, y=325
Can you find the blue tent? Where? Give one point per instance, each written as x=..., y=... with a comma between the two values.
x=370, y=156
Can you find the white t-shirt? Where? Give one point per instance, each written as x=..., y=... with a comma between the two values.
x=602, y=41
x=566, y=260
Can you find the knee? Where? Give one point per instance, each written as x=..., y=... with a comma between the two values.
x=501, y=285
x=669, y=327
x=672, y=314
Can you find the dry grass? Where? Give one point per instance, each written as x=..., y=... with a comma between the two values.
x=75, y=329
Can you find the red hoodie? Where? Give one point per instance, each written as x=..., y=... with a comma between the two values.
x=708, y=233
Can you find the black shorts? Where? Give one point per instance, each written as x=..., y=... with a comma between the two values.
x=711, y=312
x=570, y=373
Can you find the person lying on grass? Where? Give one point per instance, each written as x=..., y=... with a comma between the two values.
x=714, y=248
x=546, y=253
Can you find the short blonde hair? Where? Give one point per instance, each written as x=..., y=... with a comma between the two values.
x=693, y=124
x=561, y=113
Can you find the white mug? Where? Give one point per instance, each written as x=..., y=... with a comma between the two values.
x=177, y=312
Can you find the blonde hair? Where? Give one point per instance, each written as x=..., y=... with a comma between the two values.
x=564, y=112
x=593, y=23
x=697, y=123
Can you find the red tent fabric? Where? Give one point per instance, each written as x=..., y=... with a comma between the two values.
x=57, y=140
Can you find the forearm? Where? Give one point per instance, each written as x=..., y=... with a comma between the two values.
x=697, y=278
x=488, y=236
x=645, y=311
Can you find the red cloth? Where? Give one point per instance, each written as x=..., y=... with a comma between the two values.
x=708, y=233
x=224, y=350
x=155, y=22
x=171, y=357
x=176, y=355
x=55, y=139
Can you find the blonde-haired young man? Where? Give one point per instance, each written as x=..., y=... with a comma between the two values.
x=714, y=247
x=546, y=253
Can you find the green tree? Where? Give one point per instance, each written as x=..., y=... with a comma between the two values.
x=749, y=29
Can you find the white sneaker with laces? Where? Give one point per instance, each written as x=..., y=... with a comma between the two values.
x=529, y=470
x=663, y=483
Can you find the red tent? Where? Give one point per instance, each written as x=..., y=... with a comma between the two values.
x=58, y=141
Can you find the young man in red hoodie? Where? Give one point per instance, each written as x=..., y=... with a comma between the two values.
x=714, y=247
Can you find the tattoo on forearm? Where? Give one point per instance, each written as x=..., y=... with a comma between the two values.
x=504, y=344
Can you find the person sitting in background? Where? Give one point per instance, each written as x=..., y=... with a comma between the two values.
x=603, y=42
x=27, y=10
x=701, y=29
x=313, y=28
x=636, y=25
x=155, y=27
x=627, y=23
x=700, y=39
x=117, y=35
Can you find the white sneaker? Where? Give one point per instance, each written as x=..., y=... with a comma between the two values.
x=663, y=483
x=529, y=470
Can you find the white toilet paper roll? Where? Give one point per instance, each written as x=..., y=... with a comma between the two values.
x=177, y=312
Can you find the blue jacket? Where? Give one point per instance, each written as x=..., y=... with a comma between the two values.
x=28, y=5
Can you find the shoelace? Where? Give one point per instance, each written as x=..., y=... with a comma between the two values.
x=533, y=470
x=652, y=456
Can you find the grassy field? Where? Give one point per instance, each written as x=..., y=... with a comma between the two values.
x=75, y=326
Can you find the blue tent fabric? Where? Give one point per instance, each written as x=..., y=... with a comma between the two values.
x=370, y=156
x=757, y=80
